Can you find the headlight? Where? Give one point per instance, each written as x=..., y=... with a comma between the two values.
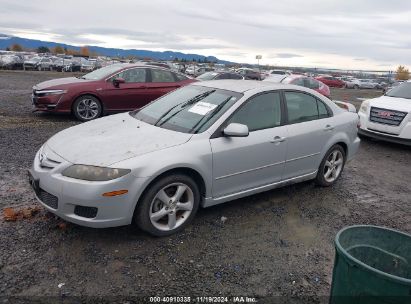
x=50, y=92
x=93, y=173
x=364, y=106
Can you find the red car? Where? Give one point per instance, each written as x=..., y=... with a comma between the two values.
x=331, y=81
x=308, y=82
x=114, y=88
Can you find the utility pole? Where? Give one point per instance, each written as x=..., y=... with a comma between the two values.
x=258, y=57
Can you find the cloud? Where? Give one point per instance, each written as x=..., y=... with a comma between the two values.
x=349, y=34
x=287, y=55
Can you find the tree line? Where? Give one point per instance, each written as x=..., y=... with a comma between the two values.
x=83, y=51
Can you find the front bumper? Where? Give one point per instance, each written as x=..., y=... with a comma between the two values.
x=48, y=103
x=397, y=134
x=65, y=196
x=385, y=137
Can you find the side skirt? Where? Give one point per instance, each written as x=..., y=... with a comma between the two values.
x=211, y=201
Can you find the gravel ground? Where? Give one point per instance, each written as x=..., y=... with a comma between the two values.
x=279, y=243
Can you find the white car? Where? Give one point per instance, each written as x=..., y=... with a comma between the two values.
x=351, y=83
x=388, y=117
x=367, y=84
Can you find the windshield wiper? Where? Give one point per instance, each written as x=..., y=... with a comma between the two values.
x=194, y=129
x=182, y=106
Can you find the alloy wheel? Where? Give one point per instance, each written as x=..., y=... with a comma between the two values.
x=87, y=109
x=333, y=166
x=171, y=206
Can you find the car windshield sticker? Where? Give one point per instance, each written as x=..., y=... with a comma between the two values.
x=202, y=108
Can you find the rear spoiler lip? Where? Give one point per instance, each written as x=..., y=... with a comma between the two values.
x=346, y=106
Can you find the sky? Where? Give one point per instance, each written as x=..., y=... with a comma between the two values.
x=346, y=34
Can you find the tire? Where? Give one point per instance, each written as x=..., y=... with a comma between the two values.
x=334, y=158
x=39, y=68
x=87, y=107
x=356, y=86
x=171, y=219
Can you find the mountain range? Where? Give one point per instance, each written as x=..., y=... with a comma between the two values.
x=7, y=41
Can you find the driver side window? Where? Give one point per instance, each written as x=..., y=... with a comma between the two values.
x=260, y=112
x=133, y=75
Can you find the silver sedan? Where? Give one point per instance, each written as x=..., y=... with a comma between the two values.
x=201, y=145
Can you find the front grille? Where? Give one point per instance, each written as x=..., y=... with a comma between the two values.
x=386, y=117
x=48, y=199
x=88, y=212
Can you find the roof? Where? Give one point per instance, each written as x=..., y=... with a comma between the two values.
x=239, y=86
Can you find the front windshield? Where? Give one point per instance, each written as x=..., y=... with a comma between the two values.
x=191, y=109
x=35, y=59
x=207, y=76
x=103, y=72
x=401, y=91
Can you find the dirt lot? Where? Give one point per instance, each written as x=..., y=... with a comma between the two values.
x=278, y=243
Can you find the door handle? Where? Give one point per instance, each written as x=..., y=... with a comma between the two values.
x=277, y=139
x=328, y=128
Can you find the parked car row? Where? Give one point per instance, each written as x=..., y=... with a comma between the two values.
x=352, y=83
x=41, y=62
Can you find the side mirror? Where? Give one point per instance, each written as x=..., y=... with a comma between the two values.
x=117, y=81
x=236, y=130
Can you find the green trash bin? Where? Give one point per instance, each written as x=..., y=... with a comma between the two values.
x=372, y=265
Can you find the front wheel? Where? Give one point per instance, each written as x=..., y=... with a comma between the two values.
x=87, y=108
x=331, y=166
x=168, y=206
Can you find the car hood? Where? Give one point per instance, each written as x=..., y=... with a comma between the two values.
x=111, y=139
x=392, y=103
x=67, y=81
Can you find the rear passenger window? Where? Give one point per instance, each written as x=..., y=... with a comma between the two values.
x=301, y=107
x=312, y=84
x=161, y=76
x=298, y=81
x=235, y=76
x=322, y=110
x=260, y=112
x=181, y=77
x=223, y=76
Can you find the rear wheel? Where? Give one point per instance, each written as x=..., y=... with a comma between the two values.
x=168, y=206
x=356, y=86
x=331, y=166
x=87, y=108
